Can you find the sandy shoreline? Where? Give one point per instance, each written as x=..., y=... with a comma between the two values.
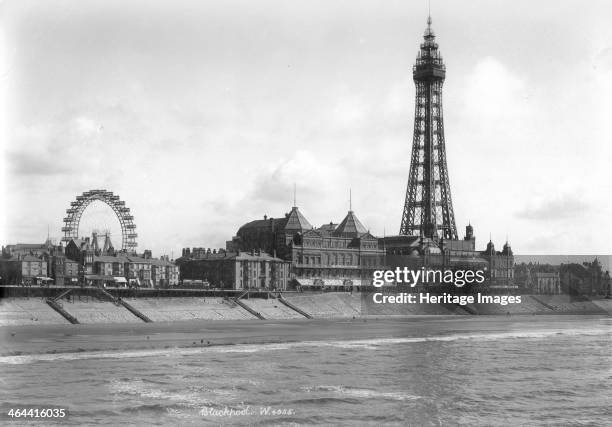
x=50, y=339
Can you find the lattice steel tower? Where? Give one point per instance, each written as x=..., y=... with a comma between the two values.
x=428, y=210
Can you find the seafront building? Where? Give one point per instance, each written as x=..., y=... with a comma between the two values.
x=546, y=283
x=26, y=270
x=588, y=278
x=64, y=271
x=84, y=262
x=107, y=267
x=234, y=269
x=334, y=255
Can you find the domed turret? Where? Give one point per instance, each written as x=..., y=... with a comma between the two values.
x=507, y=249
x=469, y=232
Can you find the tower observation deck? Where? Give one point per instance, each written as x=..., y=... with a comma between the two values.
x=428, y=209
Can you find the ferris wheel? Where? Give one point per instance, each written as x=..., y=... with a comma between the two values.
x=126, y=219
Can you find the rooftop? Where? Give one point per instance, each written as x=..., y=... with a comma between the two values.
x=296, y=221
x=350, y=226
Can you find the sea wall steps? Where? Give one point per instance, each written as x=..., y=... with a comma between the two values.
x=57, y=307
x=119, y=301
x=293, y=307
x=249, y=309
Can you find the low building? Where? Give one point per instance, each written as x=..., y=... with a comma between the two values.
x=64, y=271
x=588, y=278
x=164, y=273
x=138, y=271
x=236, y=270
x=24, y=270
x=501, y=265
x=22, y=249
x=547, y=283
x=106, y=267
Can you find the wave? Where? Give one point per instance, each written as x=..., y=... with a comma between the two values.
x=323, y=400
x=362, y=344
x=151, y=393
x=361, y=393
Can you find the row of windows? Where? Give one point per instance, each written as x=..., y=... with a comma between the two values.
x=328, y=259
x=336, y=244
x=336, y=259
x=34, y=264
x=306, y=273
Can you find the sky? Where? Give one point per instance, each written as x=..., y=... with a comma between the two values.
x=202, y=115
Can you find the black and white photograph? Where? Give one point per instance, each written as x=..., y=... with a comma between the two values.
x=305, y=212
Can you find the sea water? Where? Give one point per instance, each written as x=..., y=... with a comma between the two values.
x=551, y=373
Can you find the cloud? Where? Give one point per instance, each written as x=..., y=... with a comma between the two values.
x=87, y=127
x=31, y=153
x=495, y=93
x=566, y=206
x=310, y=172
x=26, y=163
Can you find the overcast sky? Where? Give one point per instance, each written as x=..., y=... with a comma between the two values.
x=202, y=115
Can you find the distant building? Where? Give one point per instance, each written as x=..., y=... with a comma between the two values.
x=500, y=265
x=64, y=271
x=139, y=271
x=106, y=267
x=439, y=253
x=235, y=270
x=25, y=270
x=22, y=249
x=332, y=254
x=547, y=283
x=164, y=273
x=587, y=278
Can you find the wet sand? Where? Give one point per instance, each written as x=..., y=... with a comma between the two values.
x=40, y=339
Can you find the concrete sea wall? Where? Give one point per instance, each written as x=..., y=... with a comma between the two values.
x=91, y=306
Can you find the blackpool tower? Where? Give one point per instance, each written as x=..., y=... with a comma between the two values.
x=428, y=209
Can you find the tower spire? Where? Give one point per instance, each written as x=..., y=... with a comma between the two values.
x=294, y=196
x=428, y=208
x=350, y=200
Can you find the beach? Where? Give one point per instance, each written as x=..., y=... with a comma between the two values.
x=40, y=339
x=54, y=339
